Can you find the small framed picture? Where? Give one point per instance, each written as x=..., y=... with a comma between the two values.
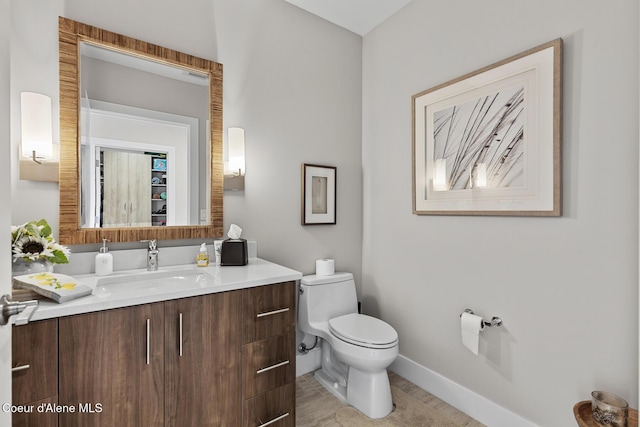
x=318, y=194
x=160, y=164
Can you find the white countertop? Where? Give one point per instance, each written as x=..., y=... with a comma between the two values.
x=214, y=279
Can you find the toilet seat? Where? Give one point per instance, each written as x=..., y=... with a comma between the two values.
x=363, y=331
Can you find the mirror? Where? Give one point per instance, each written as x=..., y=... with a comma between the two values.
x=154, y=116
x=140, y=140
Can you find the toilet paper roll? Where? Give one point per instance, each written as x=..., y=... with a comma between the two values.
x=324, y=267
x=471, y=326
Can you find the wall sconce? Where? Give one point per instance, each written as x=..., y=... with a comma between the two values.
x=38, y=159
x=234, y=172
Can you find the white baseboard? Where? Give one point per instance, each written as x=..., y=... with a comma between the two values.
x=465, y=400
x=308, y=362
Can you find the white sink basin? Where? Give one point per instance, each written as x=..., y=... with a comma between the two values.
x=151, y=281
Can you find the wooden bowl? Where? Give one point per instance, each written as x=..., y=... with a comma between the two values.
x=584, y=416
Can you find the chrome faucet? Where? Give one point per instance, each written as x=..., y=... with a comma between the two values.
x=152, y=255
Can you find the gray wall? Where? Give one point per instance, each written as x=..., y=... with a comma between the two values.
x=566, y=288
x=292, y=81
x=33, y=66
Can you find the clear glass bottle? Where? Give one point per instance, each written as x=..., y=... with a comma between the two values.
x=202, y=259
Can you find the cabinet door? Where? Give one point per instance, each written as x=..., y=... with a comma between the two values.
x=34, y=350
x=35, y=418
x=202, y=357
x=111, y=367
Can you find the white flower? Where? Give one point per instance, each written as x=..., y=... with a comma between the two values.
x=33, y=241
x=32, y=248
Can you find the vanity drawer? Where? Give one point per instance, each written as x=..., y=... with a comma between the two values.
x=275, y=408
x=268, y=311
x=268, y=364
x=34, y=352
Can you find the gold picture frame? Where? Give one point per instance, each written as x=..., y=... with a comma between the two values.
x=488, y=143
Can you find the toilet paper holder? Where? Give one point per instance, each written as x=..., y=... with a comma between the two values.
x=495, y=320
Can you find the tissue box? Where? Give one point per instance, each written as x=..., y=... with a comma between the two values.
x=234, y=252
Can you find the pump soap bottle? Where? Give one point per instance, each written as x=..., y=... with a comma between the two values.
x=104, y=260
x=202, y=259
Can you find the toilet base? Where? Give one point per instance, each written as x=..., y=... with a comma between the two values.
x=370, y=392
x=331, y=385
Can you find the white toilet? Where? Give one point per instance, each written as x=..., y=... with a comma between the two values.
x=356, y=349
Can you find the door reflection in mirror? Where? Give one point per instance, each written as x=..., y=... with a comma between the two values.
x=129, y=100
x=147, y=188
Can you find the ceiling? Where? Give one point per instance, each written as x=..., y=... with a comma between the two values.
x=358, y=16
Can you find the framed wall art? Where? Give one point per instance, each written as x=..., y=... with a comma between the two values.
x=488, y=143
x=318, y=194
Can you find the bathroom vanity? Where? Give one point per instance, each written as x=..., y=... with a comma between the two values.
x=215, y=349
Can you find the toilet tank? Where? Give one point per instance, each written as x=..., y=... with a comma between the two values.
x=325, y=297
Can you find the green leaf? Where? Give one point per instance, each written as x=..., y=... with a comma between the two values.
x=31, y=229
x=59, y=258
x=46, y=229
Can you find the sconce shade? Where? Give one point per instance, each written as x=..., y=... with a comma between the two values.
x=236, y=150
x=37, y=133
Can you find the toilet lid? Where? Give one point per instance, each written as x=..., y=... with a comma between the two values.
x=365, y=331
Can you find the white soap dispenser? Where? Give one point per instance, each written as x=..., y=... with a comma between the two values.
x=104, y=260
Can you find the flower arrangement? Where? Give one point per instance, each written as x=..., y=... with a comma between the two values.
x=33, y=241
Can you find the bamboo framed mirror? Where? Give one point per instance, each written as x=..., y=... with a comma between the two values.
x=178, y=185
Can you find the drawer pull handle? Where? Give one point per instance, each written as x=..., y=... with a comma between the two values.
x=275, y=420
x=277, y=365
x=270, y=313
x=180, y=334
x=148, y=341
x=20, y=368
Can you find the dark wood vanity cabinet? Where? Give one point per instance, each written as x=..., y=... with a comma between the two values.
x=224, y=359
x=268, y=355
x=34, y=349
x=113, y=360
x=172, y=363
x=202, y=360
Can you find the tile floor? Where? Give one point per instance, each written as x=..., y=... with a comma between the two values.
x=316, y=407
